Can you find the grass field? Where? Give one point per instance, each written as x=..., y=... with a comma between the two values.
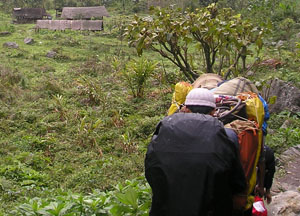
x=70, y=123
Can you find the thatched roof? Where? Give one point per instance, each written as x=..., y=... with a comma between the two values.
x=91, y=25
x=84, y=12
x=29, y=13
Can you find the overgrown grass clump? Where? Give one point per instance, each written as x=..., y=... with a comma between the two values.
x=75, y=125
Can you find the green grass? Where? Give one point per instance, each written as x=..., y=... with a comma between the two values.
x=44, y=143
x=69, y=123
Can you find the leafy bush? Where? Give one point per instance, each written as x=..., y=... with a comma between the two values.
x=133, y=198
x=277, y=120
x=285, y=131
x=283, y=139
x=136, y=74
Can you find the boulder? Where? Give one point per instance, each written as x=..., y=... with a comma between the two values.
x=280, y=44
x=51, y=54
x=290, y=154
x=287, y=96
x=5, y=33
x=12, y=45
x=286, y=124
x=273, y=43
x=250, y=73
x=285, y=204
x=28, y=41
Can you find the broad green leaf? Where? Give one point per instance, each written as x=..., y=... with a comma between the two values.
x=130, y=197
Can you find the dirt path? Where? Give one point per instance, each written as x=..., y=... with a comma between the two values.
x=286, y=185
x=292, y=176
x=288, y=177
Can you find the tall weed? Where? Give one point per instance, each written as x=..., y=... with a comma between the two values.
x=136, y=74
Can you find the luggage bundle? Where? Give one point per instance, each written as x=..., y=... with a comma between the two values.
x=239, y=108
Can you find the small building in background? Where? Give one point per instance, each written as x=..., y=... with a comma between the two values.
x=84, y=13
x=58, y=12
x=29, y=15
x=82, y=25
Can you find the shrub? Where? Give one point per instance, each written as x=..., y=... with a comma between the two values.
x=133, y=198
x=283, y=139
x=136, y=74
x=286, y=132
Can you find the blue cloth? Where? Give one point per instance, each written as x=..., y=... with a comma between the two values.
x=232, y=137
x=267, y=115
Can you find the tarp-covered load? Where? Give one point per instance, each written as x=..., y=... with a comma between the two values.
x=235, y=86
x=179, y=95
x=238, y=106
x=208, y=81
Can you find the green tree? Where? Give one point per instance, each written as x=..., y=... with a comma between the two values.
x=217, y=33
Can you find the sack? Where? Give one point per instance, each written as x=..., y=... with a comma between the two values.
x=235, y=86
x=250, y=145
x=255, y=109
x=179, y=95
x=259, y=208
x=208, y=81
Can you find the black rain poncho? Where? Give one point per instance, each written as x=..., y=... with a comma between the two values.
x=192, y=167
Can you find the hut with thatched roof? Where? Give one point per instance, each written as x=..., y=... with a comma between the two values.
x=84, y=13
x=29, y=15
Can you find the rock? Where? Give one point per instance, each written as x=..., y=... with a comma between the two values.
x=271, y=131
x=287, y=123
x=51, y=54
x=28, y=41
x=285, y=204
x=288, y=96
x=12, y=45
x=298, y=35
x=280, y=44
x=250, y=73
x=292, y=152
x=271, y=63
x=6, y=33
x=273, y=43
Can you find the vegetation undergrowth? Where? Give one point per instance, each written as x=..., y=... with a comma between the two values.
x=133, y=198
x=75, y=126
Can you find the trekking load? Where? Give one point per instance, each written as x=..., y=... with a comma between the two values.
x=239, y=108
x=179, y=95
x=208, y=81
x=235, y=86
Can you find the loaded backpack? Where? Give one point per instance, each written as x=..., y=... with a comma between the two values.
x=239, y=108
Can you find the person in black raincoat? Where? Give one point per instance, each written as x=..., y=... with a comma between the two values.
x=192, y=164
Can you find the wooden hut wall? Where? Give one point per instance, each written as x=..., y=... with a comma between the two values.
x=92, y=25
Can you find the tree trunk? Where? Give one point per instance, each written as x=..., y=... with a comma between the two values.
x=221, y=65
x=244, y=63
x=208, y=60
